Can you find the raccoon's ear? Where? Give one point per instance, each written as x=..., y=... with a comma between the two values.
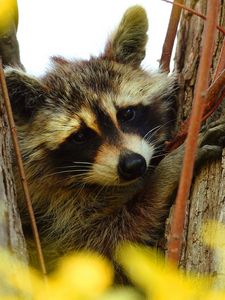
x=127, y=43
x=26, y=93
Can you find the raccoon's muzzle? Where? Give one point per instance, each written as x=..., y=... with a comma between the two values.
x=131, y=166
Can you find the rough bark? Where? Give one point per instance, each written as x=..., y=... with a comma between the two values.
x=207, y=198
x=9, y=48
x=11, y=235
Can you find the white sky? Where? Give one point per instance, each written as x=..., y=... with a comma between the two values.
x=80, y=28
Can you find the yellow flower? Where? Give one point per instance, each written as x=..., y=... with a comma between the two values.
x=8, y=14
x=88, y=276
x=214, y=236
x=79, y=276
x=160, y=281
x=15, y=277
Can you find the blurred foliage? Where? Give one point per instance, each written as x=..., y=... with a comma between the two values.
x=87, y=276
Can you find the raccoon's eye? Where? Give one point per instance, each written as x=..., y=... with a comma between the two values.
x=81, y=136
x=127, y=114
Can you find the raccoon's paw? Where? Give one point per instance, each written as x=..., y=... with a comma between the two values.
x=214, y=134
x=207, y=153
x=210, y=146
x=211, y=143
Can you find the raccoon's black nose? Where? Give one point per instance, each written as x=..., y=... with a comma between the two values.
x=131, y=166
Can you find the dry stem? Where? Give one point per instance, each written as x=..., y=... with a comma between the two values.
x=170, y=37
x=214, y=96
x=221, y=62
x=194, y=12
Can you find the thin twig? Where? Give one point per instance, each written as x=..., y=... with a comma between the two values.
x=216, y=105
x=214, y=96
x=170, y=38
x=21, y=168
x=194, y=12
x=221, y=62
x=176, y=232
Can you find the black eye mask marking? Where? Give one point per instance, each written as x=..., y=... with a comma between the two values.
x=81, y=146
x=140, y=119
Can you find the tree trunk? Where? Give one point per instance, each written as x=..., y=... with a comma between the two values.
x=11, y=236
x=207, y=197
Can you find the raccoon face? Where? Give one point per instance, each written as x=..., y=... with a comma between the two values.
x=100, y=121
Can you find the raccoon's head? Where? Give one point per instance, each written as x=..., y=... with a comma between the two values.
x=100, y=121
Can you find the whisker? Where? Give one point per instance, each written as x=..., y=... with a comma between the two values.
x=158, y=148
x=154, y=141
x=160, y=155
x=82, y=162
x=99, y=192
x=156, y=129
x=91, y=177
x=150, y=131
x=66, y=171
x=74, y=167
x=77, y=177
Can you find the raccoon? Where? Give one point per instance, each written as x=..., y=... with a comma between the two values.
x=90, y=133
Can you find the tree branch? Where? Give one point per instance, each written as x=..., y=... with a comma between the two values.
x=170, y=38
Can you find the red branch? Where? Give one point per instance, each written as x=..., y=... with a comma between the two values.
x=214, y=96
x=176, y=232
x=221, y=62
x=194, y=12
x=214, y=99
x=21, y=168
x=170, y=37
